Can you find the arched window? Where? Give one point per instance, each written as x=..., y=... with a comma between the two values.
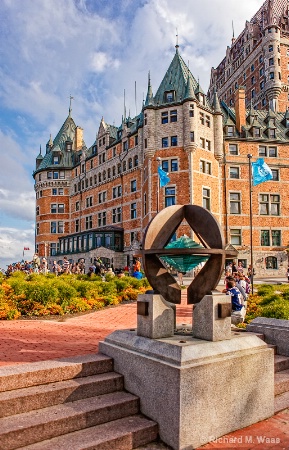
x=271, y=262
x=99, y=177
x=104, y=175
x=130, y=163
x=113, y=171
x=119, y=168
x=124, y=166
x=135, y=161
x=108, y=173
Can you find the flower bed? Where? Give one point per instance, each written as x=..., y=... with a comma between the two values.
x=40, y=295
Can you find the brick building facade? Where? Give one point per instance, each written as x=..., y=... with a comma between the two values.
x=98, y=201
x=258, y=59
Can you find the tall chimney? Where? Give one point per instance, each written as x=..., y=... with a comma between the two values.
x=240, y=108
x=78, y=138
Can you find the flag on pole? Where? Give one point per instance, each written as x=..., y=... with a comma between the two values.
x=163, y=176
x=26, y=248
x=261, y=172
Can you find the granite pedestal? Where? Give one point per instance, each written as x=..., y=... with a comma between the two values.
x=195, y=389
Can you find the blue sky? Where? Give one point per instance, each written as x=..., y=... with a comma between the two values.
x=92, y=50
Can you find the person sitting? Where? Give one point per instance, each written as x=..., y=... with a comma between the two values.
x=238, y=310
x=137, y=274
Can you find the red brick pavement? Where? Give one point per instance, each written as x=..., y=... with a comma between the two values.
x=23, y=341
x=39, y=340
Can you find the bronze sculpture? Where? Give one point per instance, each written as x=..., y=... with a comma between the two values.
x=159, y=233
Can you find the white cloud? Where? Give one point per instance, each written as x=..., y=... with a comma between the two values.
x=12, y=243
x=101, y=61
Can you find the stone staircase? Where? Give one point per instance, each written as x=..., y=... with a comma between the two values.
x=281, y=382
x=71, y=403
x=281, y=367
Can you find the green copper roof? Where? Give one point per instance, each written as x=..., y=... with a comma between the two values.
x=175, y=79
x=57, y=147
x=149, y=97
x=258, y=118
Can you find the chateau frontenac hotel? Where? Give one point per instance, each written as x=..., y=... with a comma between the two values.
x=97, y=201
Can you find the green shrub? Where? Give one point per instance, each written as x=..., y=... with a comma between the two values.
x=41, y=292
x=65, y=291
x=83, y=288
x=265, y=289
x=277, y=310
x=269, y=298
x=121, y=284
x=285, y=293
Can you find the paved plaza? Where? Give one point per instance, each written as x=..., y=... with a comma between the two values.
x=24, y=341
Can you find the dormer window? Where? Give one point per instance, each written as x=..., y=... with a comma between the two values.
x=230, y=131
x=169, y=96
x=201, y=98
x=287, y=123
x=271, y=133
x=256, y=131
x=55, y=160
x=68, y=146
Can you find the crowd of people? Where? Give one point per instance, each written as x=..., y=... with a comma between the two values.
x=40, y=265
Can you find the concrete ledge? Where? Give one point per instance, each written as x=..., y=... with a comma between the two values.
x=275, y=331
x=183, y=350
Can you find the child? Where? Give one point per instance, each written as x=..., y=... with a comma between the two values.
x=237, y=307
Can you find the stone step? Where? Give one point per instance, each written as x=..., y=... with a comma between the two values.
x=28, y=428
x=281, y=382
x=122, y=434
x=281, y=402
x=33, y=374
x=36, y=397
x=281, y=363
x=274, y=348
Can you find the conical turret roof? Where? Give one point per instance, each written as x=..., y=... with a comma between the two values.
x=176, y=80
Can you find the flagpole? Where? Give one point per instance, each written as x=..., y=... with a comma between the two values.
x=249, y=156
x=158, y=185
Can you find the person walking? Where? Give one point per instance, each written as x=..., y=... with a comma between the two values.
x=36, y=263
x=65, y=265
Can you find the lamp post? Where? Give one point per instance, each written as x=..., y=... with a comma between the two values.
x=249, y=156
x=158, y=185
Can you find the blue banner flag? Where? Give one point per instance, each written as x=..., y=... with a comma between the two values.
x=163, y=176
x=261, y=172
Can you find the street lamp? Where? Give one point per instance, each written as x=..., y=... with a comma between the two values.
x=249, y=156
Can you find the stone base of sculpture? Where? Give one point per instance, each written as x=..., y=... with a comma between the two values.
x=195, y=389
x=207, y=321
x=155, y=318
